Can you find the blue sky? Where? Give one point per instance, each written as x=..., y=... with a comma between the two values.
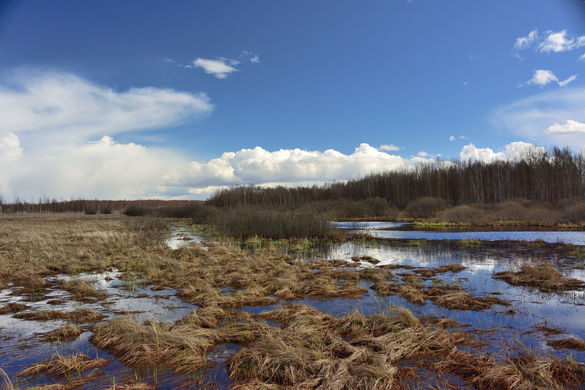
x=460, y=79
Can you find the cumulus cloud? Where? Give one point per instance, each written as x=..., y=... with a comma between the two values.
x=531, y=116
x=542, y=77
x=526, y=41
x=389, y=147
x=569, y=127
x=558, y=42
x=219, y=68
x=512, y=151
x=47, y=102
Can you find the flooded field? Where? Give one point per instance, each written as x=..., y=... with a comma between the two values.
x=463, y=294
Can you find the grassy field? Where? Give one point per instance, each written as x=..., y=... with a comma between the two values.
x=291, y=345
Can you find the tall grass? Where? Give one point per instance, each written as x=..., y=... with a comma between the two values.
x=249, y=222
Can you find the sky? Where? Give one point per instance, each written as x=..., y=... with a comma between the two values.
x=176, y=100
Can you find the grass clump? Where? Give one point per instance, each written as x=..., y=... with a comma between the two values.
x=79, y=316
x=61, y=366
x=83, y=291
x=526, y=371
x=13, y=308
x=544, y=277
x=68, y=332
x=568, y=343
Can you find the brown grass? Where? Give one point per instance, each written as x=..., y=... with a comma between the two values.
x=79, y=316
x=545, y=277
x=527, y=371
x=61, y=366
x=432, y=272
x=82, y=291
x=68, y=332
x=13, y=308
x=569, y=343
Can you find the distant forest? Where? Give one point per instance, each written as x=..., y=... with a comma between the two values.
x=552, y=177
x=88, y=206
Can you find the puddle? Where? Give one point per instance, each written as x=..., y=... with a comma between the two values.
x=22, y=344
x=181, y=237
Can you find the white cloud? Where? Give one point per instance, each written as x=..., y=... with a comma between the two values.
x=422, y=154
x=531, y=116
x=219, y=68
x=542, y=77
x=512, y=151
x=527, y=41
x=452, y=138
x=559, y=42
x=255, y=59
x=569, y=127
x=49, y=102
x=9, y=146
x=389, y=148
x=582, y=58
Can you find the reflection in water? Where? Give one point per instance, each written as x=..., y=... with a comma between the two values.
x=374, y=229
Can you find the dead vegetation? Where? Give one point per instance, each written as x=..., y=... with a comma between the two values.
x=83, y=291
x=61, y=366
x=13, y=308
x=79, y=316
x=544, y=277
x=568, y=343
x=526, y=371
x=69, y=332
x=294, y=346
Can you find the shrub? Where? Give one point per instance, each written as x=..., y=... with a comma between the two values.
x=107, y=210
x=462, y=214
x=137, y=211
x=275, y=224
x=574, y=213
x=90, y=211
x=426, y=207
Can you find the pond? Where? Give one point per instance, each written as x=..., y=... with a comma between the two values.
x=397, y=230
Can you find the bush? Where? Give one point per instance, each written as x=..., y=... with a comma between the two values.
x=90, y=211
x=250, y=222
x=137, y=211
x=462, y=214
x=199, y=213
x=574, y=213
x=426, y=207
x=107, y=210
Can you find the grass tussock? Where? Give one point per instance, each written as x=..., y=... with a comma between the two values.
x=527, y=371
x=432, y=272
x=62, y=366
x=83, y=291
x=544, y=276
x=13, y=308
x=568, y=343
x=315, y=350
x=79, y=316
x=65, y=333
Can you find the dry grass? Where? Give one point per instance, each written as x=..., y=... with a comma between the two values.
x=527, y=371
x=569, y=343
x=545, y=277
x=83, y=291
x=61, y=366
x=68, y=332
x=79, y=316
x=432, y=272
x=13, y=308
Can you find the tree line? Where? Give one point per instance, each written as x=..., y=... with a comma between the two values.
x=551, y=176
x=87, y=206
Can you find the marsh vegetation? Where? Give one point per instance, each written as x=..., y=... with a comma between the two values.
x=100, y=301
